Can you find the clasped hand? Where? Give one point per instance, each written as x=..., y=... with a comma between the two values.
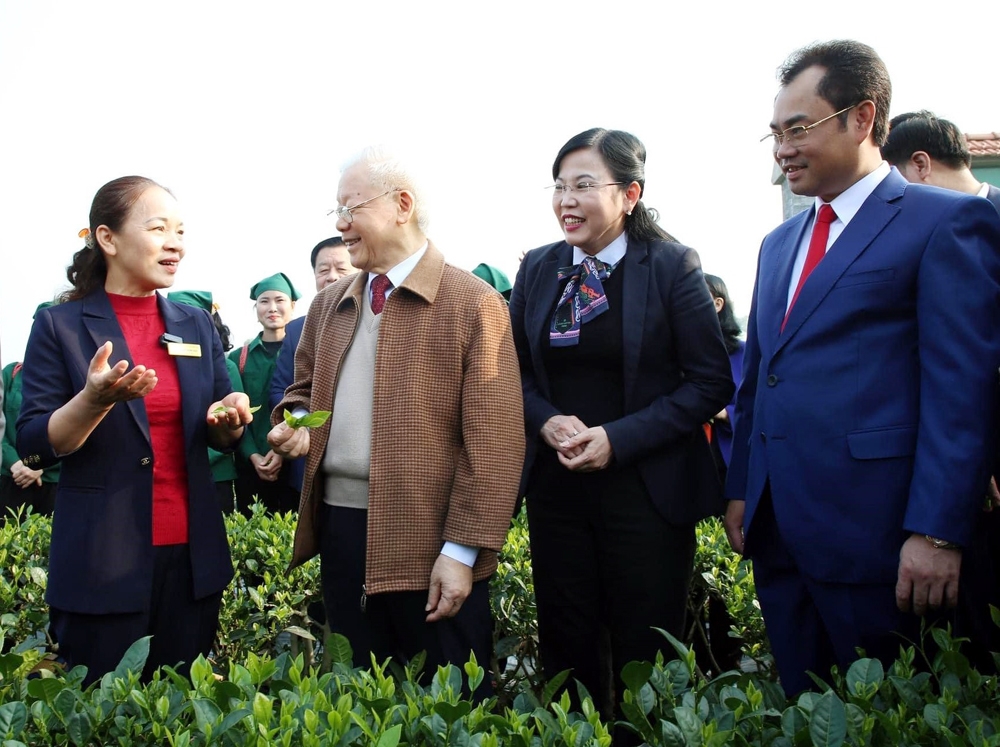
x=579, y=448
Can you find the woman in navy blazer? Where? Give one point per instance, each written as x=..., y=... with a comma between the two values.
x=138, y=541
x=622, y=361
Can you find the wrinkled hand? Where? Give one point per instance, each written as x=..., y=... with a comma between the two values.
x=236, y=415
x=590, y=451
x=558, y=429
x=107, y=385
x=451, y=584
x=24, y=476
x=291, y=443
x=733, y=522
x=928, y=576
x=268, y=465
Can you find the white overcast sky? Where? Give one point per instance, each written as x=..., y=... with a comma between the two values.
x=246, y=111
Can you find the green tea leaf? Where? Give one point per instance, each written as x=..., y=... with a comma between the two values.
x=309, y=420
x=254, y=409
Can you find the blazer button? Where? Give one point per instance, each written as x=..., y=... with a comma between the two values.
x=763, y=436
x=145, y=461
x=772, y=380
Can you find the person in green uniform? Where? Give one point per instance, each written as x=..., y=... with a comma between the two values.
x=222, y=464
x=19, y=484
x=258, y=467
x=495, y=278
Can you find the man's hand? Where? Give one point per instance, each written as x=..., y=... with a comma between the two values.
x=268, y=465
x=591, y=450
x=290, y=443
x=451, y=584
x=25, y=476
x=733, y=522
x=928, y=576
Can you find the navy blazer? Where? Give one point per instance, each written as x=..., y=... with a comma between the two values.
x=281, y=379
x=677, y=374
x=101, y=560
x=865, y=415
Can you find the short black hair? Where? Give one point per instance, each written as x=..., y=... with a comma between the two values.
x=727, y=317
x=923, y=130
x=854, y=73
x=332, y=241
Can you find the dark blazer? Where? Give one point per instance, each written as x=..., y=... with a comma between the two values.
x=865, y=415
x=281, y=379
x=677, y=372
x=101, y=560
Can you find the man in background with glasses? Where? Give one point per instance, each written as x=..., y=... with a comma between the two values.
x=410, y=485
x=861, y=453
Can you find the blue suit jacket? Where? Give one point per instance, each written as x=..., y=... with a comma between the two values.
x=865, y=414
x=281, y=379
x=101, y=560
x=677, y=373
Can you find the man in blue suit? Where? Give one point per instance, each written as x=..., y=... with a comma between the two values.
x=860, y=457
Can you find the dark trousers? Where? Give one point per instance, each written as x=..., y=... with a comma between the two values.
x=182, y=627
x=978, y=588
x=394, y=624
x=277, y=496
x=225, y=490
x=813, y=625
x=41, y=498
x=607, y=569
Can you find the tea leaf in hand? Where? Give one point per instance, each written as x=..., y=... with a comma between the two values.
x=309, y=420
x=254, y=409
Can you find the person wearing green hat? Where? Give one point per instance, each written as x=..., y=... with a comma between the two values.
x=19, y=484
x=494, y=278
x=258, y=467
x=222, y=464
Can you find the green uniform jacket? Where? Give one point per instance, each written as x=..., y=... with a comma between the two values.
x=223, y=465
x=256, y=376
x=11, y=409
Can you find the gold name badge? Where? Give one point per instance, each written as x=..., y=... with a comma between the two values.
x=186, y=349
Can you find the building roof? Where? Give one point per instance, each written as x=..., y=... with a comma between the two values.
x=987, y=144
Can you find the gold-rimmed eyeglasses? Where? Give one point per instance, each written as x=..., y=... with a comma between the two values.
x=582, y=187
x=346, y=214
x=796, y=135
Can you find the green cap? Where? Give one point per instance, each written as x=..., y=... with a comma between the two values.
x=494, y=277
x=198, y=299
x=277, y=282
x=42, y=305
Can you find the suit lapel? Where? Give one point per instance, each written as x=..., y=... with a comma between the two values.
x=874, y=215
x=100, y=320
x=635, y=289
x=541, y=298
x=180, y=322
x=781, y=277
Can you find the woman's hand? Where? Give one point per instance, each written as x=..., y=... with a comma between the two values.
x=24, y=476
x=559, y=429
x=587, y=451
x=107, y=385
x=267, y=465
x=291, y=443
x=232, y=412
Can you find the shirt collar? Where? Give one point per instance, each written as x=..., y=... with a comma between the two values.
x=400, y=272
x=847, y=204
x=609, y=255
x=984, y=190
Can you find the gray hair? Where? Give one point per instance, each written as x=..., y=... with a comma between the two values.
x=386, y=171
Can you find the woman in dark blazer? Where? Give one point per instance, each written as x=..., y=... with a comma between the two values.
x=127, y=390
x=722, y=426
x=622, y=361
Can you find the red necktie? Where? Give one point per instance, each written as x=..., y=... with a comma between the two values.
x=817, y=250
x=380, y=284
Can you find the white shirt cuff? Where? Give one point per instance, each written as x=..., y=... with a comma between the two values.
x=462, y=553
